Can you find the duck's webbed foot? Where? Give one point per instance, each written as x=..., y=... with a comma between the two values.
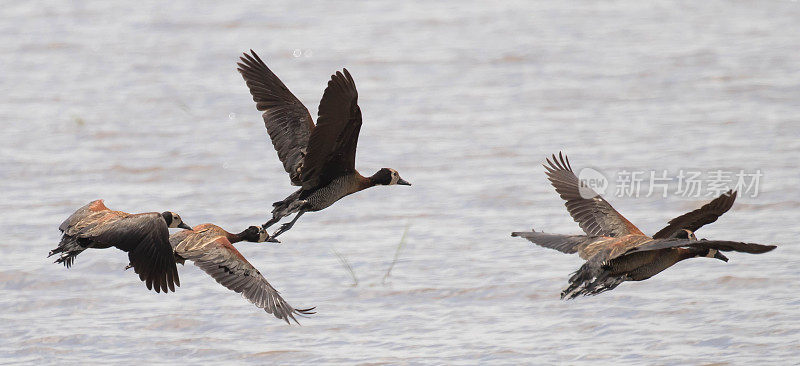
x=271, y=222
x=285, y=227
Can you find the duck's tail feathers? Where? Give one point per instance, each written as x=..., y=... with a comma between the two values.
x=68, y=248
x=591, y=279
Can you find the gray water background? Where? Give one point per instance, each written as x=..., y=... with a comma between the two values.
x=141, y=105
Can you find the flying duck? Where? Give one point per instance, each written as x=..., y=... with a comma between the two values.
x=144, y=236
x=320, y=159
x=211, y=248
x=617, y=251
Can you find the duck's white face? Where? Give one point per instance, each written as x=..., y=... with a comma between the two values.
x=262, y=235
x=176, y=220
x=396, y=178
x=712, y=253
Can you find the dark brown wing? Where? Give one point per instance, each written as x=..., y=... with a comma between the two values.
x=721, y=245
x=216, y=256
x=594, y=214
x=287, y=120
x=563, y=243
x=332, y=145
x=73, y=221
x=83, y=220
x=696, y=219
x=146, y=239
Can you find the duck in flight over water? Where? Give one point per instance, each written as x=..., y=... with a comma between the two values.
x=319, y=158
x=211, y=248
x=144, y=236
x=617, y=251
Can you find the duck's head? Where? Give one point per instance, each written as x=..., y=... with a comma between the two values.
x=388, y=177
x=255, y=234
x=686, y=234
x=713, y=253
x=174, y=220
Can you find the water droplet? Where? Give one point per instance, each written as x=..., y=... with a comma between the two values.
x=232, y=115
x=297, y=52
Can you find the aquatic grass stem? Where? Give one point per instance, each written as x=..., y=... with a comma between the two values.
x=396, y=253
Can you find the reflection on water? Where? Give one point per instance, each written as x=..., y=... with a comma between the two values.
x=142, y=106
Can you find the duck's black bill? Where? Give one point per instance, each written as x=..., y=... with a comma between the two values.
x=721, y=257
x=184, y=226
x=403, y=182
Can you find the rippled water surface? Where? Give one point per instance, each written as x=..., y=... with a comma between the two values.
x=142, y=106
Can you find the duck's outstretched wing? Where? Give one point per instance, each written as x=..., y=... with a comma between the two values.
x=563, y=243
x=287, y=120
x=146, y=239
x=75, y=222
x=694, y=220
x=332, y=145
x=220, y=259
x=593, y=213
x=721, y=245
